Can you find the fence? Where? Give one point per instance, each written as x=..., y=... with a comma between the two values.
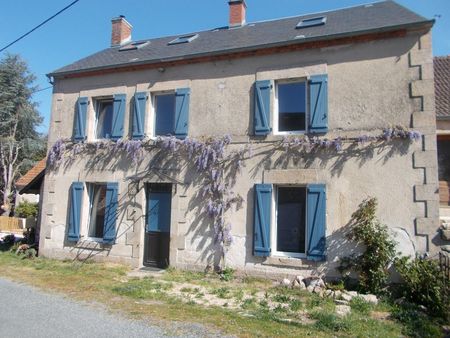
x=10, y=223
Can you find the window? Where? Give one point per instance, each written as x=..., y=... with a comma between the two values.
x=164, y=114
x=290, y=107
x=318, y=21
x=97, y=207
x=183, y=39
x=290, y=220
x=134, y=46
x=104, y=118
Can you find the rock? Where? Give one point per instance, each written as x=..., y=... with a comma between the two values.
x=337, y=294
x=286, y=282
x=299, y=285
x=445, y=248
x=340, y=302
x=372, y=299
x=329, y=293
x=314, y=281
x=445, y=233
x=342, y=310
x=318, y=289
x=346, y=297
x=299, y=279
x=310, y=288
x=352, y=293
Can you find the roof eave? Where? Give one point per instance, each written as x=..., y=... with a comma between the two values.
x=426, y=24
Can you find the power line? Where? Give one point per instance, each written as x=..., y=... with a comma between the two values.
x=41, y=24
x=40, y=90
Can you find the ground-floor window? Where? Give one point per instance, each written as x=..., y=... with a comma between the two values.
x=291, y=220
x=443, y=148
x=97, y=205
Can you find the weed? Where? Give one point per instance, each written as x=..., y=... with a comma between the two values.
x=295, y=305
x=226, y=274
x=223, y=292
x=281, y=298
x=360, y=305
x=416, y=323
x=329, y=322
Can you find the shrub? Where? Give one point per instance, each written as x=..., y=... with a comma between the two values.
x=424, y=284
x=379, y=248
x=26, y=209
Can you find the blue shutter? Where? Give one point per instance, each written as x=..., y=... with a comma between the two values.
x=140, y=103
x=262, y=218
x=158, y=211
x=261, y=114
x=79, y=132
x=76, y=198
x=316, y=205
x=182, y=98
x=318, y=96
x=109, y=230
x=118, y=116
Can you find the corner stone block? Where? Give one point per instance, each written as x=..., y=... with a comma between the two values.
x=425, y=159
x=423, y=119
x=427, y=192
x=132, y=238
x=426, y=226
x=419, y=57
x=422, y=88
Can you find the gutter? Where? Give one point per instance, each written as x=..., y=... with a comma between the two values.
x=426, y=24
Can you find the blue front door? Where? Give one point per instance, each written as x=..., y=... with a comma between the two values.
x=157, y=234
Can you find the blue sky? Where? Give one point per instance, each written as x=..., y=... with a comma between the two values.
x=85, y=28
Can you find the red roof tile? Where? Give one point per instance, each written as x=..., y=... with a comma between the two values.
x=442, y=85
x=31, y=174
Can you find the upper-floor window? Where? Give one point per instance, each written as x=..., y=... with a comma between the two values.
x=164, y=114
x=290, y=107
x=104, y=118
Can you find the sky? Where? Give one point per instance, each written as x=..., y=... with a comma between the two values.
x=85, y=28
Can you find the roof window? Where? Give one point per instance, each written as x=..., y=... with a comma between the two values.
x=134, y=45
x=183, y=39
x=317, y=21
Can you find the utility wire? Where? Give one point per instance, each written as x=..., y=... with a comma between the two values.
x=40, y=90
x=41, y=24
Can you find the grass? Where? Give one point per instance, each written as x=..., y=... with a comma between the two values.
x=275, y=314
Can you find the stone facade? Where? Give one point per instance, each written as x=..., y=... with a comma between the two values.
x=372, y=85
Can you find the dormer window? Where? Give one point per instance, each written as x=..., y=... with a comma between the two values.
x=317, y=21
x=183, y=39
x=134, y=46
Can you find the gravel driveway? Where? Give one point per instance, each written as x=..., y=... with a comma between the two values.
x=29, y=312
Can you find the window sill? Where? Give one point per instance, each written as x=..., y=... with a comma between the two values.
x=290, y=262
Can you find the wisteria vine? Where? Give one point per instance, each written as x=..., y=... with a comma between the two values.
x=218, y=167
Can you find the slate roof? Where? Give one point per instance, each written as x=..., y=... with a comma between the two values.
x=442, y=86
x=374, y=17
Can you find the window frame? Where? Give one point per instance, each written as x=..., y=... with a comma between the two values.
x=275, y=129
x=312, y=22
x=97, y=101
x=89, y=186
x=186, y=38
x=274, y=223
x=153, y=110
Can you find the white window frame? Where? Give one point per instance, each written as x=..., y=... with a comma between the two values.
x=274, y=223
x=88, y=225
x=96, y=102
x=153, y=95
x=276, y=107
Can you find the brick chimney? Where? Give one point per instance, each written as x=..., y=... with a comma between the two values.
x=237, y=12
x=121, y=31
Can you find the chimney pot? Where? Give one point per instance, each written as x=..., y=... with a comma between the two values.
x=121, y=31
x=237, y=12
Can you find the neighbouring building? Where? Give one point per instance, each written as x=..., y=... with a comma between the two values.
x=442, y=90
x=279, y=130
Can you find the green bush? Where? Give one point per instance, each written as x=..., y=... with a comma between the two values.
x=379, y=249
x=415, y=322
x=26, y=209
x=424, y=284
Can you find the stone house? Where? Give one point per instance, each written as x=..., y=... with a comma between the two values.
x=250, y=144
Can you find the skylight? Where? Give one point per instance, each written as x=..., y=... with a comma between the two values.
x=134, y=45
x=317, y=21
x=183, y=39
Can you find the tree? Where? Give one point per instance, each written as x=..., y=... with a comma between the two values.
x=19, y=118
